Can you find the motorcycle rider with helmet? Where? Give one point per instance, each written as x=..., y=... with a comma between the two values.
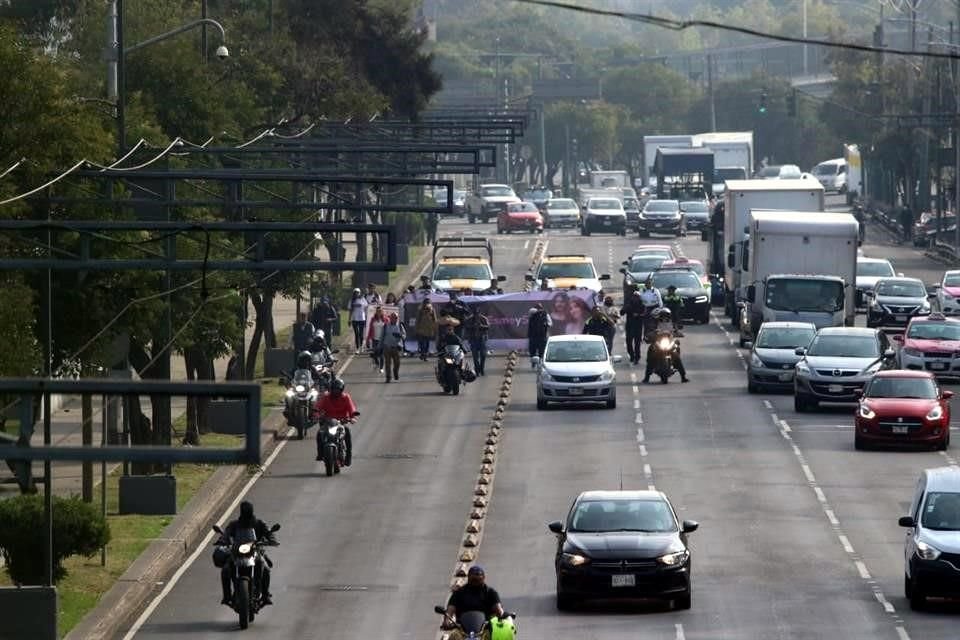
x=336, y=404
x=475, y=595
x=247, y=521
x=304, y=369
x=663, y=326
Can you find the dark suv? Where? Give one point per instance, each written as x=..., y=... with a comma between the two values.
x=661, y=216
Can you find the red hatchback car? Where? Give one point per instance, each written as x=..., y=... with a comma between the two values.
x=899, y=407
x=520, y=216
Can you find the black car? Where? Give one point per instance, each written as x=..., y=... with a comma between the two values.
x=637, y=269
x=696, y=214
x=696, y=297
x=894, y=301
x=660, y=216
x=622, y=544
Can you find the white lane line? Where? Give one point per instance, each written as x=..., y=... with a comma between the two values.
x=820, y=495
x=832, y=517
x=950, y=460
x=846, y=543
x=680, y=635
x=647, y=471
x=636, y=389
x=768, y=404
x=643, y=450
x=786, y=428
x=639, y=418
x=903, y=633
x=633, y=377
x=807, y=472
x=887, y=606
x=776, y=420
x=640, y=435
x=862, y=568
x=636, y=403
x=526, y=244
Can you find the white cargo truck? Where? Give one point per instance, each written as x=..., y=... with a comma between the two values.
x=742, y=196
x=650, y=146
x=731, y=150
x=799, y=266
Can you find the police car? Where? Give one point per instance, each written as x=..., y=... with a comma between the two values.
x=931, y=343
x=565, y=271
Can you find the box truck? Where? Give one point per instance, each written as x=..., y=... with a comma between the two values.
x=650, y=146
x=805, y=194
x=732, y=150
x=799, y=266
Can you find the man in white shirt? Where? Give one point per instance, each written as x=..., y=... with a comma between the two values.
x=372, y=296
x=651, y=300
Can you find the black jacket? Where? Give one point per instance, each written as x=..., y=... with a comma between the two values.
x=599, y=327
x=263, y=531
x=539, y=325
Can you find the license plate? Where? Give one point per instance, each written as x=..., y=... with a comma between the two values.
x=938, y=366
x=575, y=391
x=903, y=429
x=607, y=222
x=658, y=225
x=900, y=318
x=835, y=388
x=628, y=580
x=786, y=377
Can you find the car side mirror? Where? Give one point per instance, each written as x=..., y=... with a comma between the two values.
x=605, y=276
x=897, y=338
x=889, y=354
x=439, y=609
x=556, y=527
x=907, y=521
x=800, y=351
x=689, y=526
x=752, y=293
x=275, y=528
x=946, y=394
x=501, y=278
x=528, y=277
x=617, y=359
x=625, y=262
x=623, y=270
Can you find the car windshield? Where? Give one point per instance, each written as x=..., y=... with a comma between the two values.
x=576, y=351
x=679, y=279
x=523, y=207
x=786, y=294
x=644, y=264
x=496, y=191
x=879, y=269
x=952, y=280
x=729, y=173
x=561, y=203
x=538, y=194
x=554, y=270
x=598, y=516
x=694, y=207
x=844, y=346
x=662, y=205
x=826, y=170
x=901, y=289
x=941, y=511
x=604, y=204
x=784, y=337
x=922, y=388
x=466, y=271
x=934, y=331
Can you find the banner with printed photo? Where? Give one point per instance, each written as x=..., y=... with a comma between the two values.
x=508, y=314
x=372, y=309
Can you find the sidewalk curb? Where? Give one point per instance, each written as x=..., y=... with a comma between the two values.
x=145, y=577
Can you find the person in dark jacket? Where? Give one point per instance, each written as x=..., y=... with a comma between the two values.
x=674, y=302
x=633, y=312
x=455, y=308
x=302, y=335
x=600, y=324
x=478, y=327
x=325, y=317
x=247, y=521
x=538, y=328
x=906, y=221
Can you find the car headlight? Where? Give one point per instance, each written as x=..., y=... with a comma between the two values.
x=873, y=368
x=574, y=559
x=935, y=413
x=607, y=376
x=911, y=351
x=700, y=299
x=545, y=375
x=927, y=551
x=756, y=361
x=925, y=306
x=802, y=368
x=674, y=559
x=245, y=548
x=866, y=412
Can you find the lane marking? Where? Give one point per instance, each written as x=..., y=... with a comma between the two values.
x=647, y=471
x=680, y=635
x=862, y=568
x=832, y=517
x=636, y=403
x=768, y=404
x=636, y=389
x=639, y=418
x=526, y=244
x=651, y=487
x=640, y=436
x=846, y=543
x=633, y=377
x=950, y=460
x=820, y=495
x=643, y=451
x=807, y=472
x=903, y=633
x=887, y=606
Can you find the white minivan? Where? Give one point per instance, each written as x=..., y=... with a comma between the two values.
x=832, y=174
x=932, y=548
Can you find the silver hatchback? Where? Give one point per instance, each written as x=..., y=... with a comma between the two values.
x=773, y=355
x=576, y=368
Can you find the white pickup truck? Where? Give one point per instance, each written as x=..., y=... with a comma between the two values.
x=487, y=201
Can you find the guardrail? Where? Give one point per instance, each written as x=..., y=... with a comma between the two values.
x=937, y=247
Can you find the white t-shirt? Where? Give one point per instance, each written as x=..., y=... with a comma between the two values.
x=358, y=310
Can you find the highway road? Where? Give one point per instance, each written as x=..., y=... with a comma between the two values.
x=798, y=532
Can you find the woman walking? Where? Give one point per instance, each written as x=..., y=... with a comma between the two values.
x=358, y=318
x=426, y=327
x=375, y=337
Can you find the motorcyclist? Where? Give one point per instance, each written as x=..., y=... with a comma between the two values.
x=664, y=326
x=304, y=369
x=456, y=308
x=674, y=302
x=336, y=404
x=476, y=595
x=247, y=521
x=448, y=337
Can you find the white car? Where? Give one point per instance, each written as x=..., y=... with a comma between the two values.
x=604, y=215
x=948, y=293
x=561, y=212
x=488, y=201
x=869, y=270
x=565, y=271
x=576, y=368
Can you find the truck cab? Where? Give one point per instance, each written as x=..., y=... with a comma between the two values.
x=473, y=273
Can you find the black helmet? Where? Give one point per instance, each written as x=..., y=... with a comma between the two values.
x=304, y=359
x=246, y=511
x=337, y=386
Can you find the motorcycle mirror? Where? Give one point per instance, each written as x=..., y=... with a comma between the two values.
x=439, y=609
x=335, y=351
x=217, y=529
x=275, y=528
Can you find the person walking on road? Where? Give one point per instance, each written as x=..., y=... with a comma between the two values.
x=599, y=324
x=433, y=220
x=538, y=328
x=372, y=296
x=425, y=327
x=358, y=318
x=478, y=327
x=906, y=221
x=393, y=337
x=375, y=337
x=324, y=317
x=633, y=311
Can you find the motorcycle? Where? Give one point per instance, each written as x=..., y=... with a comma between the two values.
x=451, y=371
x=301, y=395
x=334, y=447
x=665, y=346
x=474, y=623
x=244, y=554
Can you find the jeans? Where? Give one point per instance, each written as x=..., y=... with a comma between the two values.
x=478, y=348
x=376, y=353
x=358, y=326
x=423, y=346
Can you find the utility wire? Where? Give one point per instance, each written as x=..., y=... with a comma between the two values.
x=681, y=25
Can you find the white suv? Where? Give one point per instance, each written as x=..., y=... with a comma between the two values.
x=576, y=368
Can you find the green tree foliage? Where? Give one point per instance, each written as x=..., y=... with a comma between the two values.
x=78, y=529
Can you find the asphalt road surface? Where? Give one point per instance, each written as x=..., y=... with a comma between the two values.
x=798, y=532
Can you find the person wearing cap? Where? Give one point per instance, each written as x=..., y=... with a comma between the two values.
x=393, y=337
x=674, y=302
x=358, y=318
x=599, y=324
x=633, y=311
x=475, y=595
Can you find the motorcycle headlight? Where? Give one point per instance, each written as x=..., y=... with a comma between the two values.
x=300, y=388
x=755, y=361
x=935, y=413
x=665, y=343
x=927, y=551
x=289, y=393
x=245, y=548
x=674, y=559
x=574, y=559
x=866, y=412
x=700, y=299
x=313, y=394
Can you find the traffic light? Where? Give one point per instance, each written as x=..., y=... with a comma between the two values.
x=762, y=108
x=792, y=104
x=574, y=147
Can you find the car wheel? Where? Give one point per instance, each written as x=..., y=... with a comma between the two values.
x=945, y=443
x=541, y=404
x=907, y=587
x=918, y=601
x=800, y=403
x=752, y=388
x=612, y=401
x=565, y=602
x=705, y=318
x=499, y=230
x=743, y=343
x=683, y=602
x=858, y=443
x=470, y=218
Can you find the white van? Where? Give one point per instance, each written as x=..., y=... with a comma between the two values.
x=932, y=548
x=832, y=174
